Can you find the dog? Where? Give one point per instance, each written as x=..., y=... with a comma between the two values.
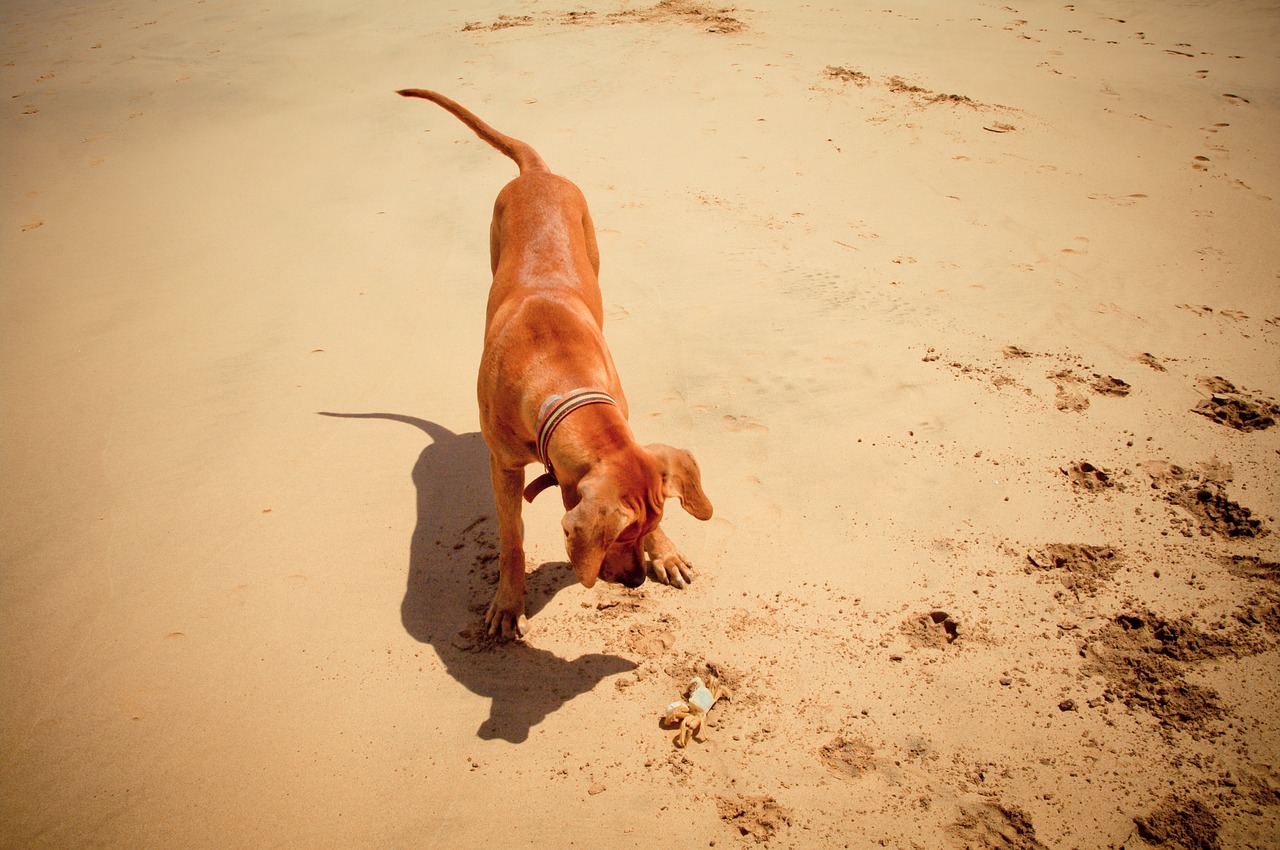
x=549, y=393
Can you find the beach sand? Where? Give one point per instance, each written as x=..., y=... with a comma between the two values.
x=970, y=313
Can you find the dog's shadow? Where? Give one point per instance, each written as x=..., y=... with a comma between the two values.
x=452, y=575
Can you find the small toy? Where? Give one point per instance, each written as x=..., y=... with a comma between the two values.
x=688, y=713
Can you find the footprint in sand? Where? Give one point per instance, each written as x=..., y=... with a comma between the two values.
x=1071, y=396
x=1068, y=398
x=984, y=822
x=1085, y=476
x=1109, y=385
x=1240, y=184
x=1151, y=361
x=1118, y=200
x=743, y=423
x=848, y=757
x=1080, y=246
x=932, y=630
x=650, y=639
x=823, y=286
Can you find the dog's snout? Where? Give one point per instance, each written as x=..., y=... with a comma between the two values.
x=624, y=565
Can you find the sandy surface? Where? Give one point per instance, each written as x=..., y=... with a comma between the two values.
x=957, y=305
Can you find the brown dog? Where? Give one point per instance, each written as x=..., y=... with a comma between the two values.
x=549, y=392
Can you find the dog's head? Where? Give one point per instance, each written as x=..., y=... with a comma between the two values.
x=619, y=502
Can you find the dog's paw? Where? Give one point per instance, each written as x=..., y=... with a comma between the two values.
x=672, y=569
x=669, y=566
x=506, y=622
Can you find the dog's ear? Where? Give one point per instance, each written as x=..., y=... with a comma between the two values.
x=589, y=530
x=682, y=479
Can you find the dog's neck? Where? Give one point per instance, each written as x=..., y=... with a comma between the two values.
x=556, y=408
x=553, y=413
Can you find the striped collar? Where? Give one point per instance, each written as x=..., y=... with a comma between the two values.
x=550, y=415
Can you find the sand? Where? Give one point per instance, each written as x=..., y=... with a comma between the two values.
x=970, y=313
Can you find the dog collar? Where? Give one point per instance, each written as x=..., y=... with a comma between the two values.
x=551, y=414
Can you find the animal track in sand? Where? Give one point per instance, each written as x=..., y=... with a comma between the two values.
x=1261, y=609
x=1081, y=569
x=1108, y=385
x=1202, y=309
x=680, y=11
x=848, y=757
x=1217, y=514
x=998, y=378
x=1180, y=822
x=992, y=825
x=1066, y=399
x=1072, y=389
x=1070, y=397
x=1118, y=200
x=1202, y=494
x=832, y=290
x=846, y=75
x=1080, y=246
x=918, y=95
x=1151, y=361
x=1253, y=567
x=758, y=817
x=1085, y=476
x=931, y=630
x=651, y=639
x=1229, y=406
x=743, y=423
x=1144, y=657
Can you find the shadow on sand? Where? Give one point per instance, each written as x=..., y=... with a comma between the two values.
x=453, y=560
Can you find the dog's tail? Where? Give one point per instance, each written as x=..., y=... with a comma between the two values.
x=523, y=155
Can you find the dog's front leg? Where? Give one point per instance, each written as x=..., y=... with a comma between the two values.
x=506, y=612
